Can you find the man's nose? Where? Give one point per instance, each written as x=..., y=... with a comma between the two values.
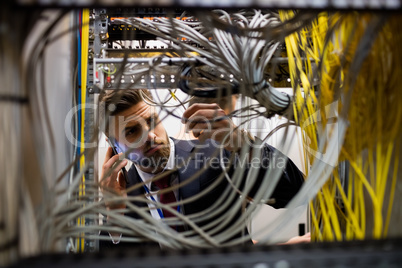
x=151, y=134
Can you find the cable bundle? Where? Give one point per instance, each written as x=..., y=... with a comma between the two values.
x=344, y=114
x=358, y=58
x=239, y=46
x=248, y=75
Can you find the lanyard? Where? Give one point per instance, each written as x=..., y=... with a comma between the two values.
x=158, y=209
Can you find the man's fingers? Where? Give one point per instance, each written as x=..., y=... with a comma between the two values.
x=209, y=121
x=118, y=167
x=209, y=117
x=122, y=180
x=200, y=127
x=112, y=174
x=198, y=111
x=204, y=135
x=108, y=154
x=108, y=164
x=196, y=107
x=122, y=164
x=201, y=134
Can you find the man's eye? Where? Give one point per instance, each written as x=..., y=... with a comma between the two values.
x=151, y=121
x=131, y=131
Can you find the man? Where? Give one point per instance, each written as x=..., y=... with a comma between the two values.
x=194, y=169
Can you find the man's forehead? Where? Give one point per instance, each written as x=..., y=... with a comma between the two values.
x=138, y=112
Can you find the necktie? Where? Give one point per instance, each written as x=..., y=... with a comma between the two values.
x=167, y=197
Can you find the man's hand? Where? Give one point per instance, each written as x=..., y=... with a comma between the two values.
x=209, y=121
x=299, y=239
x=112, y=180
x=294, y=240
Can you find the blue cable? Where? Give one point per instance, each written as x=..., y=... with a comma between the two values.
x=153, y=199
x=78, y=131
x=79, y=86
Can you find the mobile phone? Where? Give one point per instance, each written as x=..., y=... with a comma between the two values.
x=114, y=152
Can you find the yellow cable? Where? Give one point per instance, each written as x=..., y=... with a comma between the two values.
x=373, y=130
x=355, y=226
x=316, y=234
x=393, y=186
x=84, y=72
x=328, y=234
x=376, y=207
x=347, y=201
x=332, y=215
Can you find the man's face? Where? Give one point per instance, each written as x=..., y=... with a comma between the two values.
x=140, y=134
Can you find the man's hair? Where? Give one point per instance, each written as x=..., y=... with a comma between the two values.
x=117, y=101
x=113, y=102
